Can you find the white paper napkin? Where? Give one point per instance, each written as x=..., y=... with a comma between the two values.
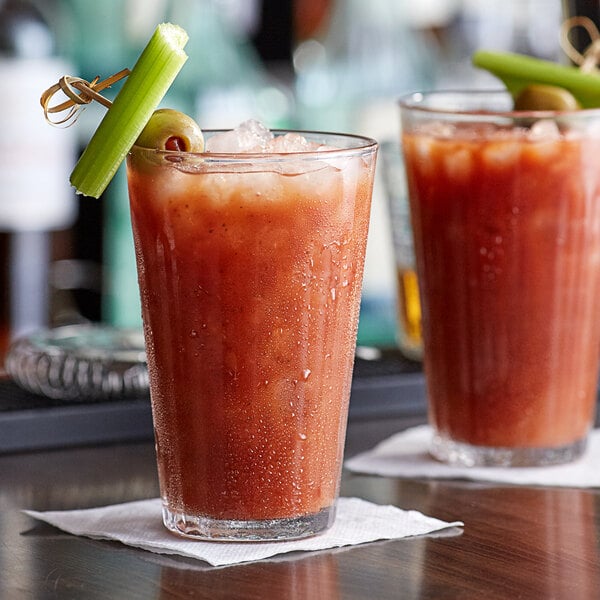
x=406, y=455
x=139, y=524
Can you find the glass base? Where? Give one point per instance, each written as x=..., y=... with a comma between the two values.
x=200, y=527
x=467, y=455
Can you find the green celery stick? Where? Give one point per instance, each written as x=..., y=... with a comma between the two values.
x=517, y=71
x=154, y=72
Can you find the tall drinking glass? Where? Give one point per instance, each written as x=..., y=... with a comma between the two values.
x=250, y=269
x=506, y=216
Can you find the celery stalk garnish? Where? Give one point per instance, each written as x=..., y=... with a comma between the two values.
x=518, y=71
x=146, y=85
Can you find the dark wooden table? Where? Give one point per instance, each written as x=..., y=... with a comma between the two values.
x=518, y=542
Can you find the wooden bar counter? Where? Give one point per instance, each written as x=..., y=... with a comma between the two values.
x=518, y=542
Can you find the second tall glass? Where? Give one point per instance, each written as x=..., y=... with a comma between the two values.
x=506, y=217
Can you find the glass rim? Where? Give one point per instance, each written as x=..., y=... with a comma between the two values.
x=363, y=145
x=413, y=102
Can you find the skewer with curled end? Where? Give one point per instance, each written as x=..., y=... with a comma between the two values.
x=589, y=60
x=79, y=93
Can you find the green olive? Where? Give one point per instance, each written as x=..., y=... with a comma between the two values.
x=170, y=129
x=545, y=97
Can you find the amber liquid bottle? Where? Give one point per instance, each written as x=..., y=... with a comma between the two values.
x=409, y=313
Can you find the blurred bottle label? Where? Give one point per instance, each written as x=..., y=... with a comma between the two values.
x=35, y=158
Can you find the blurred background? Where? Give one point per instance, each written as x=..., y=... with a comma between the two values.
x=309, y=64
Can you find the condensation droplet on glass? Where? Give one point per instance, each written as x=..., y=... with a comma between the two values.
x=302, y=436
x=332, y=292
x=306, y=373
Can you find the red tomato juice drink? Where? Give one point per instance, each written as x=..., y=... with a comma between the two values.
x=506, y=215
x=250, y=269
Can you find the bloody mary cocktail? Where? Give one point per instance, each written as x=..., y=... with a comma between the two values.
x=506, y=216
x=250, y=269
